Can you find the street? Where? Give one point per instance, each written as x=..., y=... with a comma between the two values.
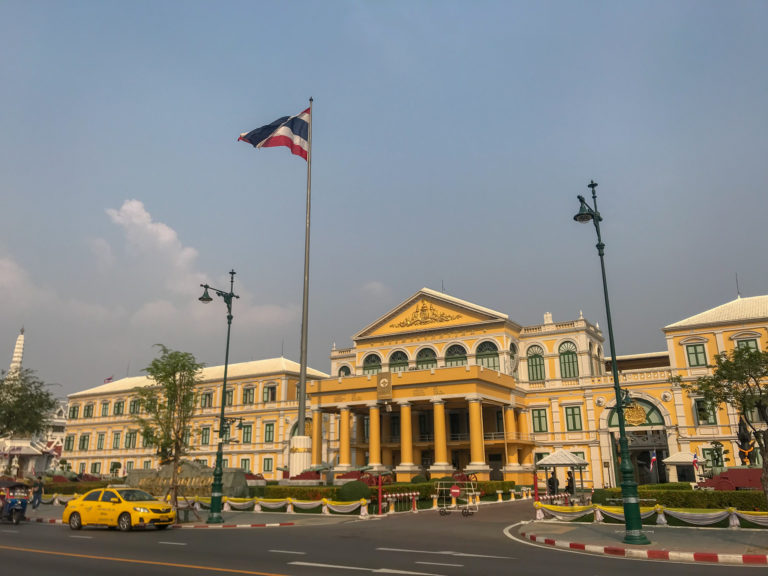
x=417, y=544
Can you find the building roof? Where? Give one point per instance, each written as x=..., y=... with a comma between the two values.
x=679, y=458
x=752, y=308
x=253, y=369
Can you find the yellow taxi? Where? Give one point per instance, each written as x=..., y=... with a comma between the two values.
x=123, y=508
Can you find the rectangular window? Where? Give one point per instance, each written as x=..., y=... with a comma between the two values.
x=696, y=355
x=230, y=398
x=205, y=436
x=74, y=411
x=100, y=441
x=147, y=464
x=134, y=407
x=394, y=426
x=145, y=441
x=500, y=420
x=245, y=464
x=269, y=432
x=539, y=418
x=116, y=441
x=206, y=400
x=129, y=465
x=81, y=467
x=130, y=439
x=104, y=409
x=248, y=396
x=706, y=415
x=579, y=454
x=69, y=443
x=96, y=468
x=247, y=433
x=118, y=408
x=185, y=437
x=267, y=464
x=573, y=418
x=269, y=394
x=712, y=458
x=85, y=439
x=750, y=344
x=539, y=455
x=88, y=411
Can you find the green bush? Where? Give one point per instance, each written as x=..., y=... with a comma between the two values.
x=748, y=500
x=669, y=486
x=300, y=492
x=352, y=491
x=419, y=479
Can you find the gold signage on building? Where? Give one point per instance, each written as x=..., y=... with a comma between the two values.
x=634, y=414
x=384, y=386
x=425, y=314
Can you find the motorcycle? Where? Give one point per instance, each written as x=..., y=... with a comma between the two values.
x=13, y=500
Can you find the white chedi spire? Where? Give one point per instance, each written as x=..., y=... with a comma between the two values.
x=18, y=353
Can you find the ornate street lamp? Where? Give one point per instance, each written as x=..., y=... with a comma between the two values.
x=217, y=487
x=632, y=519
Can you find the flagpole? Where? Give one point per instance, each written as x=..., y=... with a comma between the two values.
x=305, y=302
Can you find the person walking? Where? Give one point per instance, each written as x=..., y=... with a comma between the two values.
x=37, y=492
x=569, y=483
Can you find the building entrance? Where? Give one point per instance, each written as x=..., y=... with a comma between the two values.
x=643, y=444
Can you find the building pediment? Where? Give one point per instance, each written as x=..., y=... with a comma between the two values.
x=430, y=310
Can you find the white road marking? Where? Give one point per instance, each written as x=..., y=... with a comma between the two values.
x=287, y=552
x=83, y=537
x=439, y=564
x=174, y=543
x=372, y=570
x=446, y=553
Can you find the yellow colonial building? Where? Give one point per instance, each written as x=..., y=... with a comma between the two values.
x=440, y=385
x=102, y=436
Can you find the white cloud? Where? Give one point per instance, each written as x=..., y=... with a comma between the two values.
x=376, y=289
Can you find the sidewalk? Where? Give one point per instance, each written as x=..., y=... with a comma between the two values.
x=672, y=544
x=50, y=514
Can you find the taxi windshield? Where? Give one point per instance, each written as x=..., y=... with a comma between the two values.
x=135, y=495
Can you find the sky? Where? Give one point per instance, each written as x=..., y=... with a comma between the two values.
x=450, y=140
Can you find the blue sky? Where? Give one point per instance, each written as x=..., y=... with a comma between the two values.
x=450, y=142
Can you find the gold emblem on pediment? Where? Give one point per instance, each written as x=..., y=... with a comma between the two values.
x=634, y=414
x=423, y=314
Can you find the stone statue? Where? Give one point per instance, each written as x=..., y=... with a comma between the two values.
x=746, y=443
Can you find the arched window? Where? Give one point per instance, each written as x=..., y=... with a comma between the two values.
x=591, y=359
x=513, y=359
x=535, y=364
x=398, y=362
x=652, y=415
x=456, y=355
x=426, y=359
x=569, y=361
x=344, y=371
x=488, y=355
x=372, y=364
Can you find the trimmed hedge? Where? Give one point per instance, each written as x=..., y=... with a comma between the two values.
x=748, y=500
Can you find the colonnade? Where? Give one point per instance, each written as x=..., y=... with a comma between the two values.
x=379, y=457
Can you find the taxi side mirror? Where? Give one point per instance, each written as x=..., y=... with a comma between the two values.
x=115, y=500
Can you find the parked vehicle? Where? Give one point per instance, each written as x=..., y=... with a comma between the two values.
x=123, y=508
x=13, y=500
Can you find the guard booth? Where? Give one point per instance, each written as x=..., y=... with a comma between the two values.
x=563, y=461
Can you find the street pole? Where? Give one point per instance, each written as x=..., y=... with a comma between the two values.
x=217, y=487
x=632, y=519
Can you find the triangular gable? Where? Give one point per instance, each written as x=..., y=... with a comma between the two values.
x=429, y=310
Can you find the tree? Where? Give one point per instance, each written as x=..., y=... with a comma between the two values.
x=25, y=403
x=740, y=378
x=168, y=407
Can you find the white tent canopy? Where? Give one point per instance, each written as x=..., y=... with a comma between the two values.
x=679, y=459
x=562, y=459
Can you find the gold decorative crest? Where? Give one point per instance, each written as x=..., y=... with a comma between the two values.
x=425, y=314
x=634, y=414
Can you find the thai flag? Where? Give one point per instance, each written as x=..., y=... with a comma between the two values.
x=290, y=131
x=696, y=461
x=107, y=380
x=653, y=459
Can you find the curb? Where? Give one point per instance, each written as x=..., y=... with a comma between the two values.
x=637, y=553
x=177, y=526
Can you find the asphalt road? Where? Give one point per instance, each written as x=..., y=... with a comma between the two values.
x=415, y=544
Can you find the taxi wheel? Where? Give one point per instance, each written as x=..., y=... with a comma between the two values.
x=124, y=522
x=75, y=523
